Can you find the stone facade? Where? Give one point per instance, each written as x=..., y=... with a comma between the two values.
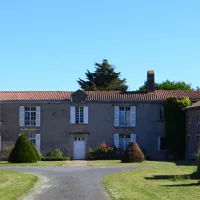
x=57, y=132
x=193, y=131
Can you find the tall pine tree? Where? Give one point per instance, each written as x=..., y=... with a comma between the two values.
x=103, y=79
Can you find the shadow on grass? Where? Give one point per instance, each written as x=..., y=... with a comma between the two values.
x=184, y=185
x=181, y=177
x=185, y=162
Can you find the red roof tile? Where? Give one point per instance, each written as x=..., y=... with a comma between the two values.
x=98, y=95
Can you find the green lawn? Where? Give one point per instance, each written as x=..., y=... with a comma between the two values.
x=119, y=163
x=46, y=163
x=15, y=184
x=153, y=183
x=39, y=163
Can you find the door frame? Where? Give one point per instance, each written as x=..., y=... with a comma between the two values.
x=84, y=145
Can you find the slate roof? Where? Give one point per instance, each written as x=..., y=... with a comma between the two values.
x=98, y=95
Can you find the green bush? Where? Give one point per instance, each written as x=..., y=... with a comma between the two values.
x=58, y=153
x=38, y=154
x=133, y=153
x=23, y=151
x=54, y=158
x=103, y=151
x=197, y=173
x=49, y=154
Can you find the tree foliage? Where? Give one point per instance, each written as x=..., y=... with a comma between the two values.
x=169, y=85
x=104, y=79
x=23, y=151
x=133, y=153
x=175, y=126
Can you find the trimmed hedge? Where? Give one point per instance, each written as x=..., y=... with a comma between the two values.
x=54, y=158
x=133, y=153
x=23, y=151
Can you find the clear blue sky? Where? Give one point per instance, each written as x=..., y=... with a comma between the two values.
x=48, y=44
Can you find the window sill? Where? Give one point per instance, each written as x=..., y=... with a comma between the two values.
x=78, y=123
x=30, y=126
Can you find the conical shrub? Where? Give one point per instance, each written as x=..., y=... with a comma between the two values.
x=133, y=153
x=23, y=151
x=36, y=151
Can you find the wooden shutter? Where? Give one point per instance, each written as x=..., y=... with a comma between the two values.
x=38, y=142
x=38, y=114
x=72, y=115
x=0, y=143
x=133, y=115
x=158, y=143
x=85, y=114
x=116, y=116
x=116, y=140
x=21, y=116
x=133, y=137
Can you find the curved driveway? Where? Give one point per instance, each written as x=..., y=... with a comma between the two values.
x=69, y=182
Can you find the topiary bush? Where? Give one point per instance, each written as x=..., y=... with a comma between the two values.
x=23, y=151
x=133, y=153
x=38, y=154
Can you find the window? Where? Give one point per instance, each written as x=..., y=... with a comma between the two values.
x=124, y=116
x=124, y=140
x=162, y=114
x=79, y=138
x=198, y=119
x=32, y=138
x=30, y=116
x=162, y=143
x=189, y=120
x=79, y=115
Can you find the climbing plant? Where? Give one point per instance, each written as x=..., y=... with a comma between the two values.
x=175, y=126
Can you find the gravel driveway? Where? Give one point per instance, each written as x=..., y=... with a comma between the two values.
x=69, y=182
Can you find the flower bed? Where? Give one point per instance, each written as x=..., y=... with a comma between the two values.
x=103, y=151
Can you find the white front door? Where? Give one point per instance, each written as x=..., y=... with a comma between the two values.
x=79, y=148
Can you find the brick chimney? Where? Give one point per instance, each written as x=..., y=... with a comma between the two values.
x=150, y=81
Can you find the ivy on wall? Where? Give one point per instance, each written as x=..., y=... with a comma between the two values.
x=175, y=126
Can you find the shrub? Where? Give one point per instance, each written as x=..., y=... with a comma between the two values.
x=197, y=173
x=23, y=151
x=49, y=154
x=58, y=153
x=103, y=151
x=133, y=153
x=38, y=154
x=54, y=158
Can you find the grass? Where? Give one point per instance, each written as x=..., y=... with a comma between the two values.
x=119, y=163
x=15, y=184
x=39, y=163
x=160, y=183
x=45, y=163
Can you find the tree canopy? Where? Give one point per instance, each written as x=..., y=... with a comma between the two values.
x=104, y=78
x=169, y=85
